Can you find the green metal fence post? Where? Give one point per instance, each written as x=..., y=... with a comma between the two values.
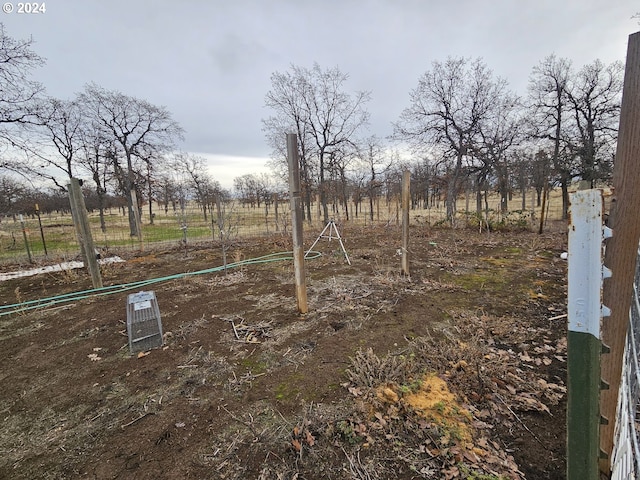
x=585, y=311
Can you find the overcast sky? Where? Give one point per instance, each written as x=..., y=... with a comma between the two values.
x=210, y=62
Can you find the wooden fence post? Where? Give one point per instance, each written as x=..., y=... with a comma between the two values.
x=296, y=221
x=83, y=231
x=44, y=243
x=622, y=248
x=26, y=240
x=406, y=196
x=136, y=216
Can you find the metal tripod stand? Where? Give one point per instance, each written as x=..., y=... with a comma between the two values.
x=333, y=233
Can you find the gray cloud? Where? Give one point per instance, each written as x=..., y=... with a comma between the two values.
x=209, y=62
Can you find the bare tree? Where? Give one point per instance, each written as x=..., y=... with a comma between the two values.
x=313, y=101
x=55, y=140
x=375, y=163
x=18, y=90
x=286, y=100
x=203, y=186
x=153, y=158
x=548, y=86
x=95, y=159
x=446, y=112
x=136, y=126
x=166, y=191
x=11, y=191
x=18, y=97
x=340, y=163
x=500, y=133
x=594, y=96
x=248, y=188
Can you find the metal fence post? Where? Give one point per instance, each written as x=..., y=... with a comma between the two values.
x=585, y=311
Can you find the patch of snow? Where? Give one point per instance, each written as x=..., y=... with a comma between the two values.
x=59, y=267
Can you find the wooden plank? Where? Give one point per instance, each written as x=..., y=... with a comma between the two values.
x=621, y=249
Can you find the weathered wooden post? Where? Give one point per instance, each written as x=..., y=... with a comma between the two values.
x=274, y=199
x=406, y=196
x=622, y=248
x=296, y=221
x=44, y=243
x=136, y=215
x=26, y=240
x=83, y=231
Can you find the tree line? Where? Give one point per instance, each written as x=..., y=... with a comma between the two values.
x=463, y=126
x=463, y=130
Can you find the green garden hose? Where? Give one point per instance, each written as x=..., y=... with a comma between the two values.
x=96, y=292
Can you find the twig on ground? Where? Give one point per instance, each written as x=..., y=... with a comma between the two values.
x=357, y=470
x=249, y=425
x=146, y=414
x=521, y=422
x=235, y=332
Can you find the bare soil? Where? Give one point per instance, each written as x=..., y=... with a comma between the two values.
x=455, y=372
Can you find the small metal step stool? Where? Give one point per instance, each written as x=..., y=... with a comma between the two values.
x=144, y=325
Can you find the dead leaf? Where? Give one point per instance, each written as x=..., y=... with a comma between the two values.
x=143, y=354
x=471, y=457
x=355, y=391
x=296, y=444
x=381, y=419
x=525, y=357
x=311, y=440
x=450, y=473
x=361, y=429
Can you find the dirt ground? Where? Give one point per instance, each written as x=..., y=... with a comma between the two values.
x=456, y=372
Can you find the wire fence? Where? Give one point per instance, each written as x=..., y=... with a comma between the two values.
x=626, y=454
x=52, y=237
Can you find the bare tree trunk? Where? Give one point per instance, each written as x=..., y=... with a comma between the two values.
x=452, y=189
x=564, y=186
x=371, y=206
x=323, y=193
